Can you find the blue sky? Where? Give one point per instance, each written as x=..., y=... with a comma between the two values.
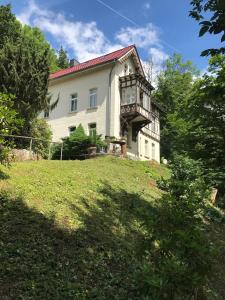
x=88, y=28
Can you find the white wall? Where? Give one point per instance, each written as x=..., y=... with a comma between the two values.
x=60, y=119
x=148, y=156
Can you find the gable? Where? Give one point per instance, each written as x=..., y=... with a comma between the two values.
x=119, y=55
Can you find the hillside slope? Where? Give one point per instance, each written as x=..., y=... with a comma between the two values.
x=74, y=229
x=79, y=229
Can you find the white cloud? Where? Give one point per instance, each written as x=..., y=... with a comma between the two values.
x=147, y=5
x=143, y=37
x=158, y=56
x=85, y=40
x=154, y=66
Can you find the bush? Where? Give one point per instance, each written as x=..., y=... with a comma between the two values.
x=76, y=145
x=178, y=261
x=8, y=124
x=41, y=130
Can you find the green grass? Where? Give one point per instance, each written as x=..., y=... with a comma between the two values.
x=79, y=229
x=74, y=229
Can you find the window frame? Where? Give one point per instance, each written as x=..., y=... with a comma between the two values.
x=92, y=92
x=74, y=98
x=70, y=127
x=91, y=130
x=153, y=151
x=146, y=148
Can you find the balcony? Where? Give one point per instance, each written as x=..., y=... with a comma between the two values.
x=135, y=110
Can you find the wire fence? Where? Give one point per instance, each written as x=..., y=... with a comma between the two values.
x=41, y=148
x=35, y=146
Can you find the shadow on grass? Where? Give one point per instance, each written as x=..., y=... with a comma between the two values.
x=39, y=260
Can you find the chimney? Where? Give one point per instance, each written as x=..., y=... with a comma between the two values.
x=73, y=62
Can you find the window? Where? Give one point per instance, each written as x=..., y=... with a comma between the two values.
x=46, y=114
x=73, y=103
x=72, y=129
x=129, y=95
x=153, y=151
x=146, y=148
x=125, y=69
x=93, y=98
x=92, y=129
x=146, y=101
x=153, y=124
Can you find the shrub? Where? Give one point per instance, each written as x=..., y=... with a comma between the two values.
x=76, y=145
x=41, y=130
x=8, y=124
x=178, y=261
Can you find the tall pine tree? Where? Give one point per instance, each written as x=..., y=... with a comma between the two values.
x=24, y=68
x=63, y=60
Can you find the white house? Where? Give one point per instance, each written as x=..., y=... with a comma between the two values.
x=110, y=95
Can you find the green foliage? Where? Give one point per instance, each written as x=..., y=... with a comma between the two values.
x=66, y=234
x=66, y=221
x=76, y=145
x=41, y=45
x=206, y=114
x=8, y=124
x=25, y=63
x=211, y=15
x=10, y=28
x=174, y=87
x=63, y=60
x=178, y=259
x=41, y=130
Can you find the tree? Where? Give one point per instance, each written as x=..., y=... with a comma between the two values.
x=24, y=72
x=211, y=15
x=206, y=113
x=42, y=132
x=63, y=60
x=174, y=87
x=178, y=257
x=8, y=123
x=42, y=45
x=10, y=28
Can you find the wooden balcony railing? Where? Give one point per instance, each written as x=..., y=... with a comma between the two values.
x=135, y=110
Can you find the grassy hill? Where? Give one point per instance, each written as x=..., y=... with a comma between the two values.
x=73, y=229
x=77, y=229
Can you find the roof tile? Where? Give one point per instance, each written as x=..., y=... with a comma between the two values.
x=93, y=62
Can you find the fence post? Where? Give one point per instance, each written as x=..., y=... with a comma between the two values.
x=49, y=151
x=61, y=152
x=30, y=152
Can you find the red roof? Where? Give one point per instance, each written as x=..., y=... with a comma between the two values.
x=93, y=62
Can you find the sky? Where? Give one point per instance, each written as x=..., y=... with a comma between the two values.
x=90, y=28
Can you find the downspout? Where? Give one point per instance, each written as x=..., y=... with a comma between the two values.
x=108, y=106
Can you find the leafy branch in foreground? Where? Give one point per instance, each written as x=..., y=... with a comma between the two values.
x=177, y=261
x=201, y=9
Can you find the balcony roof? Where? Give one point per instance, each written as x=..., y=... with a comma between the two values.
x=138, y=77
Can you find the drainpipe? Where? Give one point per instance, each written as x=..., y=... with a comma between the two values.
x=108, y=106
